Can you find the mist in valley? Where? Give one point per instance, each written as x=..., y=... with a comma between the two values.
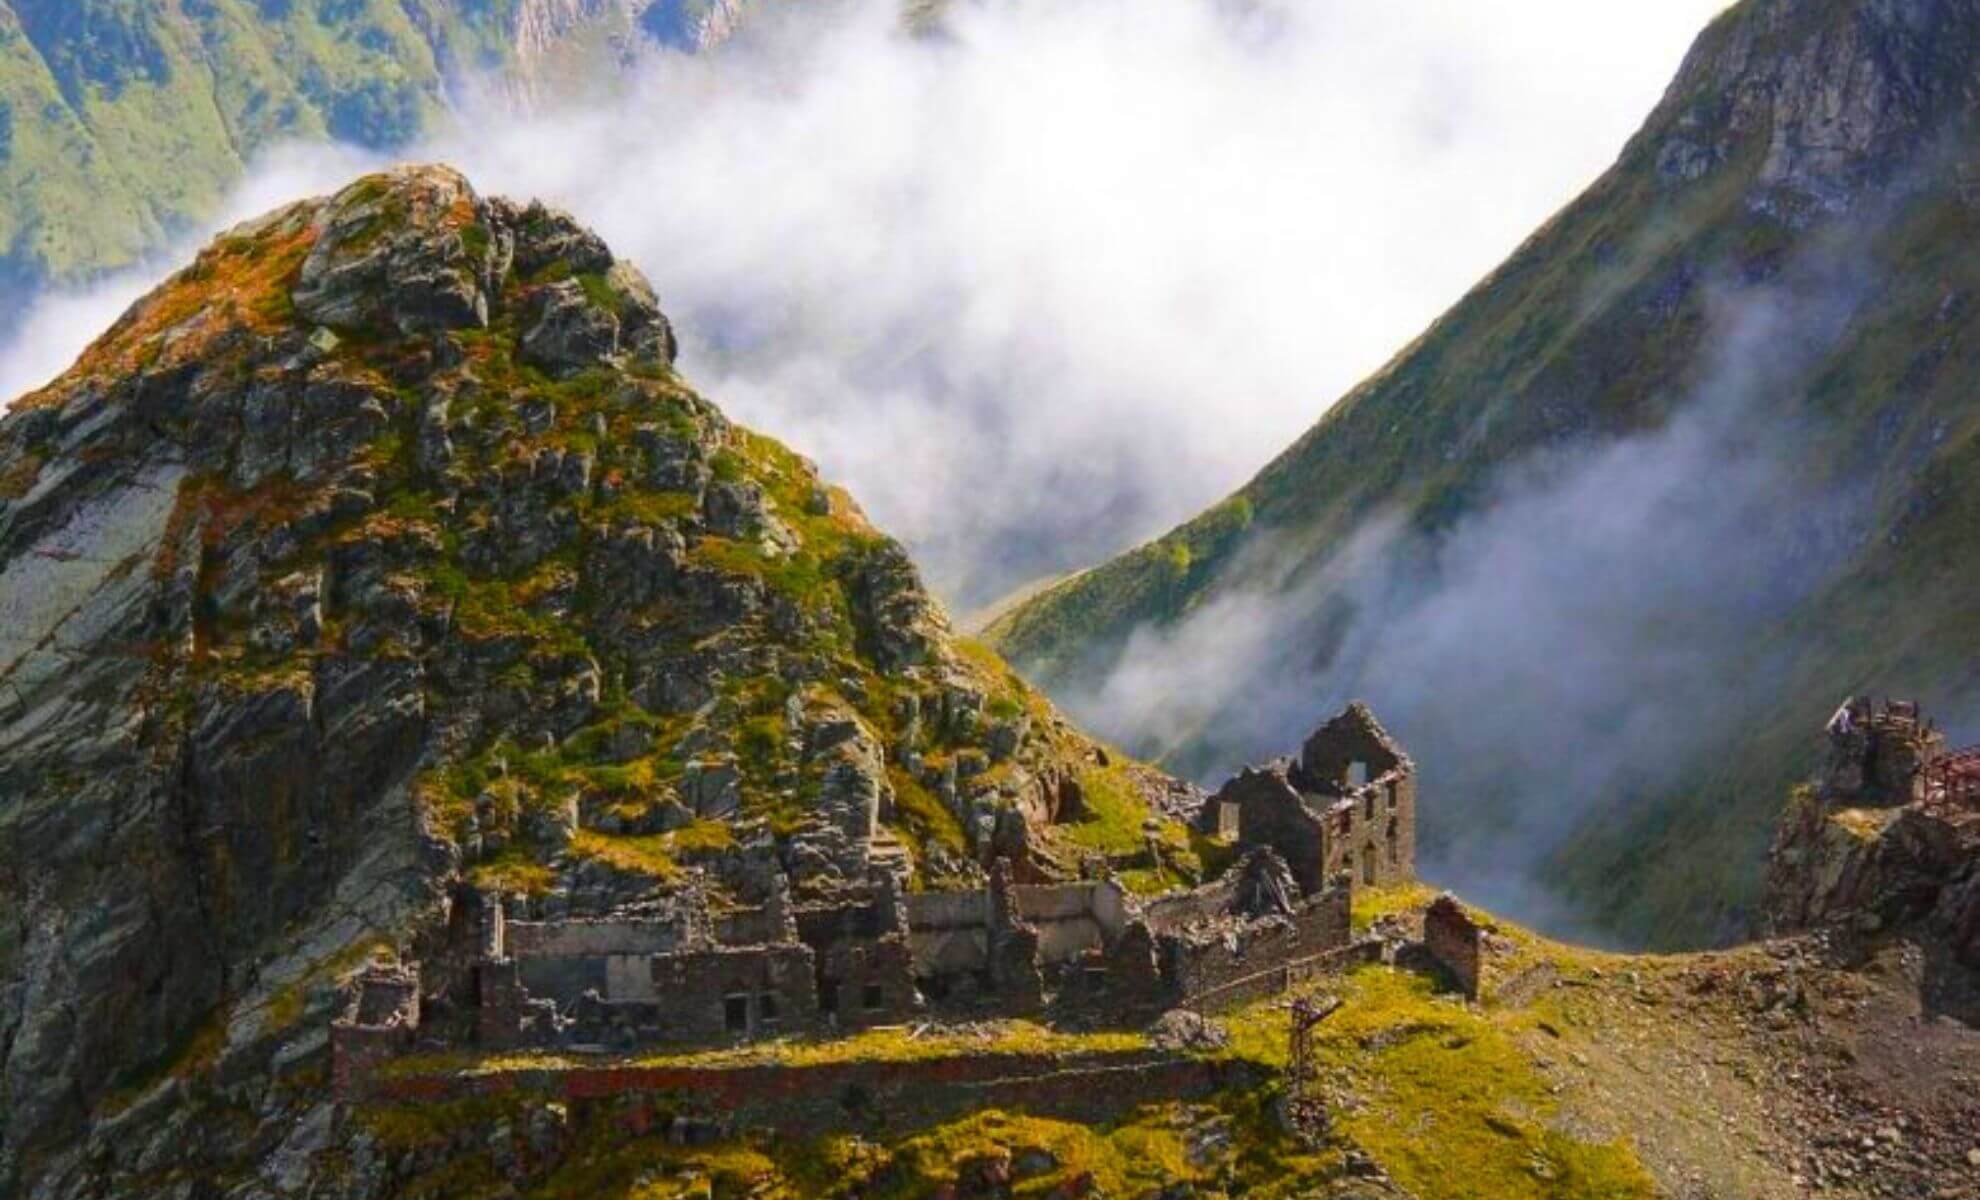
x=1044, y=283
x=1053, y=279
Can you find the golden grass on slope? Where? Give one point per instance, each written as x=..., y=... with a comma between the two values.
x=1443, y=1095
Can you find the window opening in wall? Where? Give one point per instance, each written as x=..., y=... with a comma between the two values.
x=1395, y=854
x=766, y=1007
x=1368, y=864
x=1368, y=806
x=872, y=997
x=1357, y=774
x=828, y=996
x=735, y=1013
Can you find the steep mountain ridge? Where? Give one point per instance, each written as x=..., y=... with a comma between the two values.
x=382, y=549
x=1776, y=271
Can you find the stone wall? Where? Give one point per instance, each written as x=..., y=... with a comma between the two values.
x=1878, y=753
x=812, y=1100
x=1071, y=919
x=568, y=939
x=866, y=982
x=1197, y=964
x=1210, y=902
x=1457, y=943
x=949, y=932
x=731, y=993
x=1284, y=977
x=748, y=927
x=1371, y=832
x=1271, y=812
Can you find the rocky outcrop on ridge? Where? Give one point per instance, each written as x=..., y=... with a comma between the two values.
x=382, y=550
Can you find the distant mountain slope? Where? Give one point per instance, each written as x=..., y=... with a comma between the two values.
x=1695, y=462
x=122, y=120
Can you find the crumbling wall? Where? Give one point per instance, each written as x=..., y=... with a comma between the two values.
x=592, y=938
x=864, y=966
x=1165, y=914
x=563, y=977
x=1121, y=982
x=1203, y=961
x=864, y=982
x=380, y=1020
x=1071, y=919
x=1457, y=943
x=1878, y=754
x=1371, y=832
x=949, y=932
x=735, y=993
x=1347, y=752
x=747, y=927
x=1272, y=813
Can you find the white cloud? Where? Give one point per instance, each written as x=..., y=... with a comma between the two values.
x=1062, y=276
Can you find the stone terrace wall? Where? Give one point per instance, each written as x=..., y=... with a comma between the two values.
x=811, y=1100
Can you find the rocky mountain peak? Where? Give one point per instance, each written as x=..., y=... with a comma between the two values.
x=1818, y=98
x=381, y=557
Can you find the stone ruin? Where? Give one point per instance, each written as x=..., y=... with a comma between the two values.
x=1347, y=804
x=685, y=971
x=1891, y=839
x=1889, y=755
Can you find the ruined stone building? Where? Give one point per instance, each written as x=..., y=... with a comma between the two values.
x=1890, y=755
x=1347, y=804
x=685, y=970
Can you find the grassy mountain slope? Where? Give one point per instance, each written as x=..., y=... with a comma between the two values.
x=1749, y=1073
x=1807, y=147
x=123, y=120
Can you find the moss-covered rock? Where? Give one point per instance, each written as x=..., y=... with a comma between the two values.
x=333, y=581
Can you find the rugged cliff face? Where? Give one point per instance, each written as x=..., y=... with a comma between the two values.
x=1868, y=870
x=1792, y=227
x=382, y=548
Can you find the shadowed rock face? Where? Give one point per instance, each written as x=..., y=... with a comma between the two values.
x=1830, y=105
x=381, y=551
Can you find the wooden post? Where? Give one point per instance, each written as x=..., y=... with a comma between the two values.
x=1306, y=1108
